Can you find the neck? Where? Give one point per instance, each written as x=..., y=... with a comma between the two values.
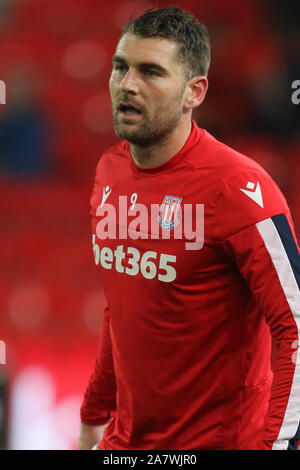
x=162, y=151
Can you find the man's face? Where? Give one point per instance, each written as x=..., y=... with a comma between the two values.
x=147, y=87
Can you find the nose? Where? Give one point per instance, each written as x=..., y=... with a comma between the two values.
x=129, y=82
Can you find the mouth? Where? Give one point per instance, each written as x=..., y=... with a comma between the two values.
x=128, y=111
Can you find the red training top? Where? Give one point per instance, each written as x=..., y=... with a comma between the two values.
x=184, y=356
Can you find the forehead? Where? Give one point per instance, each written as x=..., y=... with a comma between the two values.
x=135, y=49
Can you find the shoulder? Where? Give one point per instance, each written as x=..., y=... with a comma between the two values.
x=245, y=192
x=227, y=168
x=113, y=156
x=221, y=159
x=111, y=167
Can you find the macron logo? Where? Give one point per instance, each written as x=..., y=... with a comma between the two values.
x=105, y=194
x=254, y=193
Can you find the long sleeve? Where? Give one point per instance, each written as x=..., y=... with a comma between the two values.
x=99, y=402
x=254, y=227
x=268, y=258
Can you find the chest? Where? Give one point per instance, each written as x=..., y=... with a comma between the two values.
x=157, y=229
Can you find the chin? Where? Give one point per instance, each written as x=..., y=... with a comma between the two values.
x=124, y=131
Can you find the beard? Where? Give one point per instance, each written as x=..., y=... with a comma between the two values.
x=152, y=129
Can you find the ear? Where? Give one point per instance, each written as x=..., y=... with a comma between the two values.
x=196, y=91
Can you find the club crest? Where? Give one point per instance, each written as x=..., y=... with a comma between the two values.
x=168, y=212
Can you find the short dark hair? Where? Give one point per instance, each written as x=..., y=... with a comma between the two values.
x=181, y=27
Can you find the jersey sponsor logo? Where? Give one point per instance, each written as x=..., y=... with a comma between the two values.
x=106, y=192
x=168, y=212
x=130, y=261
x=254, y=193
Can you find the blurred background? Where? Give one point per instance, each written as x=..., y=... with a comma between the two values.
x=55, y=59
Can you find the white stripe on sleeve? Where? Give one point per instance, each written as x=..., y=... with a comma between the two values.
x=279, y=257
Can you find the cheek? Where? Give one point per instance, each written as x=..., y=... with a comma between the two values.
x=159, y=99
x=165, y=101
x=113, y=86
x=168, y=94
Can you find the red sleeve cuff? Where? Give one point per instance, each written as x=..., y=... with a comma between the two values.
x=96, y=419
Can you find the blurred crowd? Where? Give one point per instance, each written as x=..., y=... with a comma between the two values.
x=55, y=59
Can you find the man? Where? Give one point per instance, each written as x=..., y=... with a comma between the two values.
x=184, y=355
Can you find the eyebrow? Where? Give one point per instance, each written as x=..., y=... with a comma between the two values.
x=143, y=65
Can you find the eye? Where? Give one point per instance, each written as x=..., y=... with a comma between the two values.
x=120, y=67
x=151, y=73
